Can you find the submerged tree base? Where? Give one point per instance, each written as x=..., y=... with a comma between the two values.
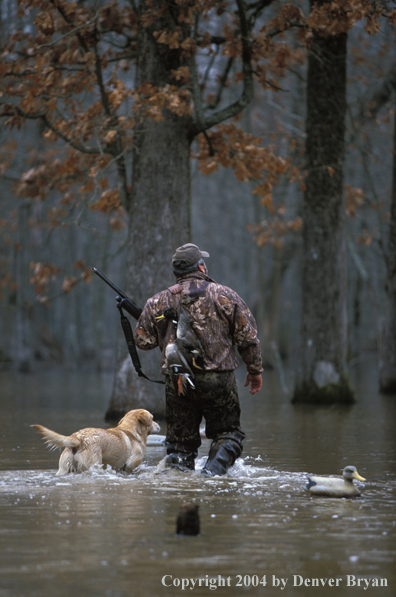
x=114, y=415
x=311, y=393
x=388, y=385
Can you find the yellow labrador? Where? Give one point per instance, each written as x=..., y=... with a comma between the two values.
x=121, y=447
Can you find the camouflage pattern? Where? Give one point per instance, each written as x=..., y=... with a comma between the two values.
x=219, y=317
x=215, y=398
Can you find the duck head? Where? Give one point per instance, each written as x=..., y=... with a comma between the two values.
x=350, y=472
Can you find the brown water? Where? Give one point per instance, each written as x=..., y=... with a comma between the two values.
x=104, y=533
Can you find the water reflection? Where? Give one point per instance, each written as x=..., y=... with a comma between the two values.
x=105, y=533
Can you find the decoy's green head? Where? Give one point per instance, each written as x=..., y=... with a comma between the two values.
x=350, y=472
x=187, y=258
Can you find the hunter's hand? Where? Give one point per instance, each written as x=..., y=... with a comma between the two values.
x=255, y=382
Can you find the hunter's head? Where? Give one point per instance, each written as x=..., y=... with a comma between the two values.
x=188, y=258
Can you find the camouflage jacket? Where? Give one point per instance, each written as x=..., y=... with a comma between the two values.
x=219, y=317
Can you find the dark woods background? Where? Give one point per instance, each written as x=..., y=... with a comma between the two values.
x=255, y=211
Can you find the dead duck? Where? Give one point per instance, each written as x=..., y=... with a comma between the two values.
x=186, y=338
x=335, y=487
x=169, y=314
x=186, y=353
x=188, y=341
x=179, y=369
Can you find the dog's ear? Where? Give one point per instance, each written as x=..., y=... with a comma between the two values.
x=145, y=418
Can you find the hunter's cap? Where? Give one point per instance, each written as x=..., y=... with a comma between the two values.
x=189, y=253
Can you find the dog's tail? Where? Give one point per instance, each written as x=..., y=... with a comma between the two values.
x=55, y=440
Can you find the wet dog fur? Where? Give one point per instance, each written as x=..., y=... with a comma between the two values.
x=122, y=447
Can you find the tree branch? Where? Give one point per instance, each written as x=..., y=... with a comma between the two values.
x=102, y=90
x=222, y=83
x=135, y=7
x=379, y=97
x=257, y=8
x=66, y=139
x=43, y=116
x=208, y=69
x=69, y=32
x=69, y=22
x=115, y=147
x=247, y=93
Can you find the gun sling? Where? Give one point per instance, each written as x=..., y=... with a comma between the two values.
x=130, y=340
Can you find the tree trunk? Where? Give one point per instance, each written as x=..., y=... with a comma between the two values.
x=322, y=375
x=388, y=343
x=159, y=219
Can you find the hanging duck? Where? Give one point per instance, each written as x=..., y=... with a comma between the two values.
x=335, y=487
x=186, y=353
x=186, y=337
x=179, y=370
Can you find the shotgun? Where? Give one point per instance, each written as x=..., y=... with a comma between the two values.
x=126, y=303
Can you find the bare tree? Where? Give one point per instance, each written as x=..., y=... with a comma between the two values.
x=322, y=375
x=388, y=343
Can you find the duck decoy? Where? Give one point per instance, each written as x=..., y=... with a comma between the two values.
x=335, y=487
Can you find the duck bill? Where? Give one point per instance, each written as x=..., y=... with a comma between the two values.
x=358, y=477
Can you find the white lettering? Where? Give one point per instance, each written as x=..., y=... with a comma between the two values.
x=352, y=581
x=164, y=581
x=193, y=582
x=297, y=580
x=334, y=580
x=367, y=581
x=276, y=582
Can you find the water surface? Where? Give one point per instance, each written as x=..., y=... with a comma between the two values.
x=106, y=533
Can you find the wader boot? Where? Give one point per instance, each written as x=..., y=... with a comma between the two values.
x=223, y=453
x=180, y=460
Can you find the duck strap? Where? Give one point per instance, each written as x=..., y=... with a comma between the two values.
x=130, y=340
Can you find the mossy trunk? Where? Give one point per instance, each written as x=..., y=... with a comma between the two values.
x=388, y=343
x=159, y=219
x=322, y=375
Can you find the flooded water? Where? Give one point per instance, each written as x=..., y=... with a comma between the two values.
x=103, y=533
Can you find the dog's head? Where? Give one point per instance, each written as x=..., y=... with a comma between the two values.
x=139, y=417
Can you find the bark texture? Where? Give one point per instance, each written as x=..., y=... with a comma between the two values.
x=388, y=343
x=159, y=219
x=322, y=375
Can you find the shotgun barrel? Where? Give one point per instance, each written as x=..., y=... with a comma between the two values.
x=127, y=303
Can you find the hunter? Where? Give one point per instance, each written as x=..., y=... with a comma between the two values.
x=196, y=323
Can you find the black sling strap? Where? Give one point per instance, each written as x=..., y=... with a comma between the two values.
x=130, y=340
